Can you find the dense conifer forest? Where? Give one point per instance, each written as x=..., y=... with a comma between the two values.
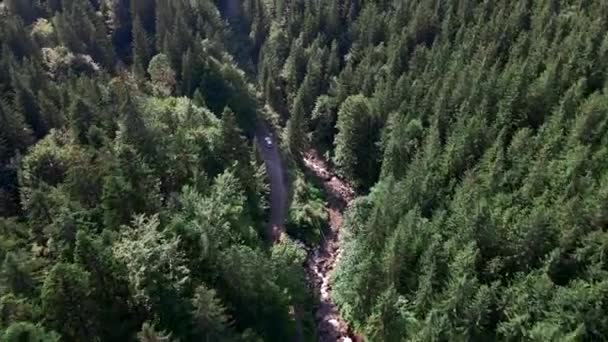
x=134, y=200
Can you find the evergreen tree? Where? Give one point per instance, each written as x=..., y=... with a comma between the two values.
x=297, y=126
x=149, y=334
x=15, y=276
x=109, y=287
x=210, y=317
x=28, y=332
x=25, y=102
x=232, y=146
x=162, y=75
x=24, y=9
x=67, y=304
x=15, y=134
x=356, y=151
x=156, y=270
x=323, y=120
x=189, y=75
x=81, y=119
x=141, y=49
x=474, y=132
x=82, y=31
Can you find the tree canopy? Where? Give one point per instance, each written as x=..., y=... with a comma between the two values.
x=133, y=201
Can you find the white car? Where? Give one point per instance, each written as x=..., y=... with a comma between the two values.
x=268, y=142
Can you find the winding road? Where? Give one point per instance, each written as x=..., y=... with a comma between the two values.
x=276, y=176
x=330, y=326
x=321, y=260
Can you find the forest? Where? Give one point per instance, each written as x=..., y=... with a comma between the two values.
x=134, y=202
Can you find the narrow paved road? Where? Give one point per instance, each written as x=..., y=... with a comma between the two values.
x=321, y=260
x=278, y=186
x=278, y=199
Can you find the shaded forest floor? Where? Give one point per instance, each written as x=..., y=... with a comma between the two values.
x=322, y=259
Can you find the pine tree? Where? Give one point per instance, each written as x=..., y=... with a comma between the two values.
x=156, y=270
x=232, y=146
x=82, y=119
x=188, y=75
x=109, y=287
x=131, y=187
x=15, y=134
x=181, y=36
x=323, y=122
x=50, y=100
x=333, y=63
x=25, y=102
x=164, y=17
x=117, y=209
x=210, y=316
x=294, y=68
x=149, y=334
x=82, y=31
x=133, y=128
x=117, y=15
x=22, y=8
x=145, y=10
x=141, y=49
x=15, y=276
x=387, y=321
x=356, y=153
x=257, y=296
x=162, y=76
x=28, y=332
x=67, y=305
x=297, y=127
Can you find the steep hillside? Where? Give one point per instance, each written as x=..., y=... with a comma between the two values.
x=134, y=201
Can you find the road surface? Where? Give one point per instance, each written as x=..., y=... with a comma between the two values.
x=278, y=198
x=330, y=326
x=278, y=186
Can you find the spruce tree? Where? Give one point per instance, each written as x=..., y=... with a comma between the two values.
x=356, y=151
x=28, y=332
x=67, y=305
x=141, y=49
x=162, y=75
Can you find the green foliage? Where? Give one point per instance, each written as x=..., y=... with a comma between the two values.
x=155, y=265
x=323, y=119
x=234, y=150
x=81, y=30
x=130, y=188
x=16, y=275
x=356, y=151
x=493, y=155
x=307, y=217
x=27, y=332
x=210, y=316
x=109, y=287
x=162, y=75
x=67, y=304
x=478, y=131
x=149, y=334
x=15, y=135
x=141, y=49
x=127, y=203
x=255, y=292
x=288, y=258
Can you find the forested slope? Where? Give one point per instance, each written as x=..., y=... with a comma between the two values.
x=132, y=203
x=479, y=129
